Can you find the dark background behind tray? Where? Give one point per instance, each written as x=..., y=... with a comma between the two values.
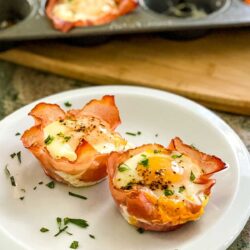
x=27, y=20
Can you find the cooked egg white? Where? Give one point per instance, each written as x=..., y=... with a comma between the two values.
x=161, y=174
x=74, y=180
x=63, y=137
x=130, y=218
x=76, y=10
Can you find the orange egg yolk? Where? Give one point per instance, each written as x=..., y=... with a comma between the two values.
x=157, y=172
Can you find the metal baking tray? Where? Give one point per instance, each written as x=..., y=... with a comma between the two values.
x=28, y=21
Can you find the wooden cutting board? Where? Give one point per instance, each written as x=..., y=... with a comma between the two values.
x=213, y=70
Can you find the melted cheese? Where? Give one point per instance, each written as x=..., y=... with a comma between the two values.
x=59, y=147
x=77, y=10
x=63, y=137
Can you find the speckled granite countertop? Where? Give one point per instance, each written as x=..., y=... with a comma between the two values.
x=20, y=86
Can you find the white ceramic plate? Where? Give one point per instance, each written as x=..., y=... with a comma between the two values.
x=151, y=112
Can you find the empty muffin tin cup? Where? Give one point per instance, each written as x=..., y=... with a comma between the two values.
x=185, y=8
x=12, y=12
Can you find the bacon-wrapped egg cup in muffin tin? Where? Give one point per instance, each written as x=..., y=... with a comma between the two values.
x=35, y=19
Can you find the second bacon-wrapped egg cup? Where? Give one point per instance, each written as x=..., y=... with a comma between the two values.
x=73, y=146
x=160, y=189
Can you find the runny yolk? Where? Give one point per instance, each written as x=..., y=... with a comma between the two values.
x=159, y=172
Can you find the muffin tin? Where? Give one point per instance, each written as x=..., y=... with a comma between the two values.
x=25, y=19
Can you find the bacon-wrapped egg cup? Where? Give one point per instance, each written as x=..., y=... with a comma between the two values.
x=159, y=188
x=73, y=146
x=67, y=14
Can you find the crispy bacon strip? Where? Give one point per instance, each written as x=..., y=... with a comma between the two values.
x=123, y=7
x=105, y=110
x=90, y=165
x=46, y=113
x=145, y=207
x=210, y=164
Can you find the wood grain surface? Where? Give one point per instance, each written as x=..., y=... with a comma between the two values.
x=213, y=70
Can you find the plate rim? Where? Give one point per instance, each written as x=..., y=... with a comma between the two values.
x=159, y=94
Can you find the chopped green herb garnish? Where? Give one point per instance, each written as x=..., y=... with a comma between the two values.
x=66, y=220
x=12, y=180
x=60, y=231
x=48, y=140
x=156, y=135
x=138, y=132
x=123, y=167
x=130, y=133
x=67, y=104
x=181, y=189
x=40, y=183
x=21, y=198
x=13, y=155
x=129, y=185
x=18, y=154
x=44, y=230
x=168, y=192
x=157, y=151
x=19, y=157
x=140, y=230
x=79, y=222
x=17, y=134
x=74, y=245
x=67, y=138
x=176, y=156
x=92, y=236
x=144, y=162
x=51, y=184
x=59, y=222
x=6, y=170
x=143, y=155
x=34, y=188
x=192, y=176
x=78, y=196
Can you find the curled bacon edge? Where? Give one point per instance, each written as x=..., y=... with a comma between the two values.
x=135, y=200
x=124, y=7
x=90, y=166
